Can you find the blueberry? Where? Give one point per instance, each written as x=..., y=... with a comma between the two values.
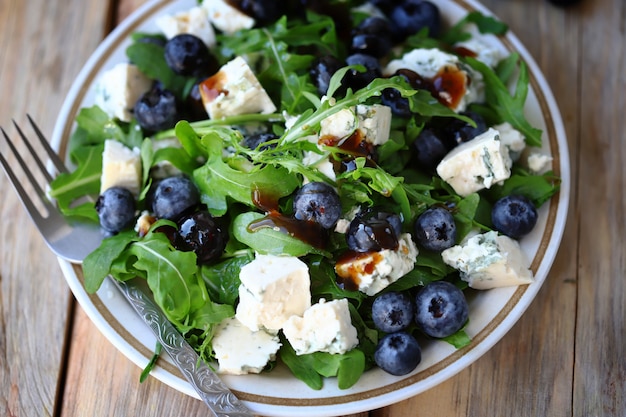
x=398, y=353
x=201, y=233
x=355, y=79
x=392, y=311
x=399, y=105
x=322, y=70
x=514, y=216
x=264, y=12
x=429, y=149
x=435, y=229
x=457, y=131
x=173, y=196
x=372, y=37
x=440, y=309
x=258, y=140
x=317, y=202
x=116, y=209
x=392, y=97
x=186, y=54
x=374, y=231
x=156, y=110
x=411, y=16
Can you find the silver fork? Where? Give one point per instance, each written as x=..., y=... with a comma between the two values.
x=74, y=241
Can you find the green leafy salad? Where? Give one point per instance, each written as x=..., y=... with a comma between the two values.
x=273, y=176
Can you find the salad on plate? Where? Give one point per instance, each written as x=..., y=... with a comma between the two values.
x=317, y=184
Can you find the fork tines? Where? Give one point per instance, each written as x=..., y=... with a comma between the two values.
x=53, y=157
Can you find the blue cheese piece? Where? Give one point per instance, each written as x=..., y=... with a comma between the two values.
x=325, y=327
x=374, y=122
x=119, y=88
x=239, y=350
x=194, y=21
x=234, y=90
x=431, y=63
x=374, y=271
x=273, y=288
x=476, y=164
x=338, y=126
x=121, y=167
x=512, y=138
x=227, y=18
x=490, y=260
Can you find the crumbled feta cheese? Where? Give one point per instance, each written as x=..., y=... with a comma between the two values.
x=476, y=164
x=490, y=260
x=325, y=327
x=119, y=88
x=273, y=288
x=234, y=90
x=512, y=138
x=121, y=167
x=194, y=21
x=538, y=162
x=239, y=350
x=374, y=271
x=227, y=18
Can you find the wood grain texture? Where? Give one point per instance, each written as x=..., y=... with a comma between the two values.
x=36, y=71
x=599, y=367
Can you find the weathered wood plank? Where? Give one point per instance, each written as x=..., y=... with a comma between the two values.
x=600, y=368
x=36, y=70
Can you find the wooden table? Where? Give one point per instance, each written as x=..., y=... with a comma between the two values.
x=565, y=357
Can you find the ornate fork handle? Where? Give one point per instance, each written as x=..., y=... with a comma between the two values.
x=212, y=390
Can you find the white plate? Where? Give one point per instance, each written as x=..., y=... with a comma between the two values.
x=492, y=312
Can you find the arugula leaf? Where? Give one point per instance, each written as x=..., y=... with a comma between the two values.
x=219, y=181
x=267, y=240
x=222, y=279
x=302, y=366
x=70, y=188
x=97, y=265
x=538, y=188
x=485, y=24
x=509, y=107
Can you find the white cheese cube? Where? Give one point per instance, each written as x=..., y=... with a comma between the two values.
x=227, y=18
x=234, y=90
x=374, y=122
x=119, y=88
x=239, y=350
x=512, y=138
x=324, y=327
x=121, y=167
x=433, y=63
x=476, y=164
x=374, y=271
x=273, y=288
x=194, y=21
x=490, y=260
x=338, y=126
